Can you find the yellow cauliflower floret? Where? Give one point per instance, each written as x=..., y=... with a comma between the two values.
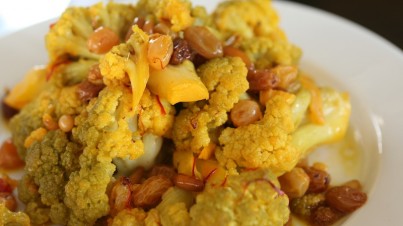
x=57, y=98
x=265, y=144
x=156, y=115
x=106, y=125
x=246, y=18
x=194, y=127
x=104, y=132
x=174, y=207
x=8, y=217
x=129, y=217
x=127, y=64
x=69, y=36
x=35, y=136
x=177, y=12
x=251, y=198
x=262, y=39
x=266, y=52
x=117, y=17
x=71, y=102
x=172, y=211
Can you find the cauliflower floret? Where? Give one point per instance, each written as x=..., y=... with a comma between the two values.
x=104, y=132
x=156, y=115
x=267, y=52
x=336, y=110
x=117, y=17
x=129, y=217
x=265, y=144
x=55, y=99
x=37, y=212
x=251, y=198
x=195, y=126
x=235, y=17
x=69, y=36
x=172, y=211
x=74, y=72
x=31, y=117
x=201, y=17
x=127, y=64
x=262, y=39
x=177, y=12
x=48, y=165
x=10, y=218
x=155, y=120
x=174, y=207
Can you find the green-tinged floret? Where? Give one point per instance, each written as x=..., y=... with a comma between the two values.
x=37, y=212
x=48, y=165
x=305, y=205
x=195, y=126
x=56, y=99
x=75, y=72
x=251, y=198
x=31, y=117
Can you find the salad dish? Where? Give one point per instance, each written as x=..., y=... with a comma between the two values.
x=163, y=113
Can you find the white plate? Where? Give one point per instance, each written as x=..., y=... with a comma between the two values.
x=337, y=53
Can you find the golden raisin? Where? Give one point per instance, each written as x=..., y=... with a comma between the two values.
x=245, y=112
x=262, y=79
x=120, y=195
x=345, y=199
x=149, y=193
x=203, y=41
x=160, y=50
x=188, y=183
x=235, y=52
x=102, y=40
x=167, y=171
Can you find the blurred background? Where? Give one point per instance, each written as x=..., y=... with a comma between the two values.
x=384, y=17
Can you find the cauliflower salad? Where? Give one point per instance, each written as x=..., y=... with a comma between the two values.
x=161, y=113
